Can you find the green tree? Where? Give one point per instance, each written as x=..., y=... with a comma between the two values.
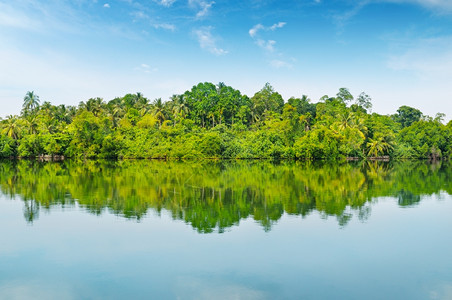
x=11, y=127
x=266, y=100
x=344, y=95
x=30, y=104
x=380, y=145
x=159, y=110
x=407, y=115
x=364, y=101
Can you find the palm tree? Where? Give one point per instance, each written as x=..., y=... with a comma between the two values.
x=46, y=107
x=62, y=113
x=220, y=87
x=180, y=108
x=345, y=120
x=380, y=145
x=71, y=112
x=141, y=102
x=116, y=113
x=32, y=125
x=11, y=127
x=159, y=110
x=31, y=103
x=95, y=105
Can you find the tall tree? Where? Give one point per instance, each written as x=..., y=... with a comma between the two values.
x=345, y=95
x=159, y=110
x=364, y=101
x=31, y=103
x=267, y=100
x=407, y=115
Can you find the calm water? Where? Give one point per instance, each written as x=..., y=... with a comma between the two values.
x=225, y=230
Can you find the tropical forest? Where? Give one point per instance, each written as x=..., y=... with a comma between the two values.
x=217, y=121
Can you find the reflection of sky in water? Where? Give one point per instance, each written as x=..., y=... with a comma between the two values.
x=70, y=254
x=443, y=291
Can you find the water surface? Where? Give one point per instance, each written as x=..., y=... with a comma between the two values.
x=225, y=230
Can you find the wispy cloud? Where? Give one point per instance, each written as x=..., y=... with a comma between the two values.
x=207, y=41
x=427, y=58
x=166, y=3
x=277, y=25
x=106, y=5
x=146, y=68
x=253, y=31
x=166, y=26
x=342, y=18
x=277, y=63
x=140, y=15
x=266, y=45
x=203, y=6
x=137, y=15
x=438, y=5
x=256, y=28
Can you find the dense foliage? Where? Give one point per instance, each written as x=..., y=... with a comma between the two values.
x=217, y=121
x=214, y=195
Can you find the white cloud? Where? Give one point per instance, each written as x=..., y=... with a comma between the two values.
x=269, y=45
x=253, y=31
x=166, y=26
x=106, y=5
x=146, y=68
x=277, y=25
x=166, y=3
x=204, y=7
x=140, y=15
x=266, y=45
x=207, y=41
x=256, y=28
x=276, y=63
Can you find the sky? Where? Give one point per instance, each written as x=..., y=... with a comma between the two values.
x=397, y=51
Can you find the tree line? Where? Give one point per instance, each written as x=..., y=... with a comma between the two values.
x=218, y=121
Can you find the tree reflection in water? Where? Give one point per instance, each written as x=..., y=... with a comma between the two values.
x=215, y=195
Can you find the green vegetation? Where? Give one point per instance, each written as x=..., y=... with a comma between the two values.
x=214, y=195
x=217, y=121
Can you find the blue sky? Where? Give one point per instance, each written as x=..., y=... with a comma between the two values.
x=397, y=51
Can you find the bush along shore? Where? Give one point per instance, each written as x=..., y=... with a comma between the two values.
x=217, y=121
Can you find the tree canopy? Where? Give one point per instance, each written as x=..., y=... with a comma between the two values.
x=218, y=121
